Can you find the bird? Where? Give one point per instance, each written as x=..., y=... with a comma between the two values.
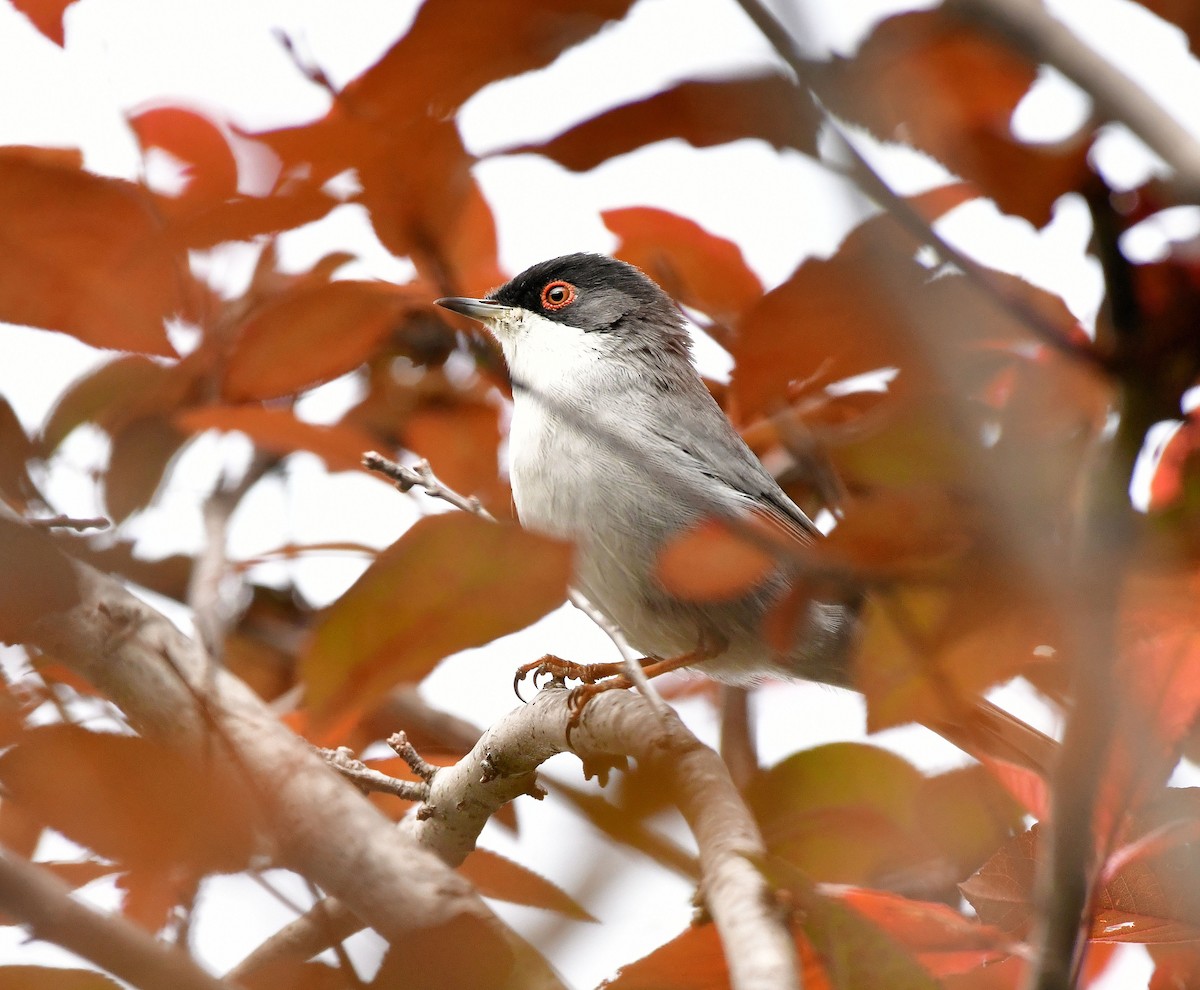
x=617, y=445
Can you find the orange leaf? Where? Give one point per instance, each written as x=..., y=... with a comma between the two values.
x=451, y=582
x=46, y=16
x=54, y=978
x=277, y=430
x=704, y=114
x=695, y=267
x=195, y=141
x=712, y=561
x=496, y=876
x=84, y=255
x=311, y=335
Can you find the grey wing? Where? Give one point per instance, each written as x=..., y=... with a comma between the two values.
x=709, y=441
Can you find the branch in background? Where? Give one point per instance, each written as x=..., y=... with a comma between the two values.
x=66, y=522
x=45, y=903
x=737, y=734
x=873, y=185
x=758, y=945
x=1030, y=29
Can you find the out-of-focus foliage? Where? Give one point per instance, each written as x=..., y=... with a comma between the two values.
x=960, y=486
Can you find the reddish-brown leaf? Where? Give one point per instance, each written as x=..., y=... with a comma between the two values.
x=103, y=397
x=451, y=582
x=704, y=114
x=695, y=267
x=15, y=452
x=196, y=142
x=46, y=16
x=934, y=80
x=462, y=440
x=85, y=255
x=311, y=335
x=497, y=876
x=713, y=561
x=279, y=431
x=131, y=800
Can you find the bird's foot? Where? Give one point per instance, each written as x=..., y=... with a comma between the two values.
x=560, y=671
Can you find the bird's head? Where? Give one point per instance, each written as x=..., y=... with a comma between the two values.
x=565, y=316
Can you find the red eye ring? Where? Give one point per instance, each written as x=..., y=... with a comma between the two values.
x=558, y=294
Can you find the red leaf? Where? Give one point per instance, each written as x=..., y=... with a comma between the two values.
x=496, y=876
x=54, y=978
x=311, y=335
x=84, y=255
x=451, y=582
x=46, y=16
x=195, y=141
x=704, y=114
x=279, y=431
x=695, y=267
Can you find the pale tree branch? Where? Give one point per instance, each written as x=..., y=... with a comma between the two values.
x=316, y=823
x=68, y=522
x=758, y=945
x=45, y=903
x=1030, y=29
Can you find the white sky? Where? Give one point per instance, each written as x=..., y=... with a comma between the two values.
x=220, y=55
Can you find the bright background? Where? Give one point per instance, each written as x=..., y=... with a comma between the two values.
x=224, y=58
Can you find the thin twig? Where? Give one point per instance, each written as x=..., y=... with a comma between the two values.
x=363, y=777
x=408, y=753
x=67, y=522
x=422, y=476
x=872, y=185
x=1030, y=28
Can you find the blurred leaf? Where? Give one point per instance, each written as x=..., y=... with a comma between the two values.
x=196, y=142
x=278, y=430
x=310, y=336
x=462, y=441
x=942, y=940
x=703, y=113
x=54, y=978
x=297, y=975
x=100, y=396
x=712, y=562
x=1186, y=16
x=497, y=876
x=16, y=450
x=84, y=255
x=1179, y=453
x=451, y=582
x=46, y=16
x=132, y=801
x=694, y=960
x=933, y=80
x=694, y=267
x=140, y=455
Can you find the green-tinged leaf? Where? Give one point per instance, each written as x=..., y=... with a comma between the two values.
x=451, y=582
x=53, y=978
x=497, y=876
x=100, y=395
x=84, y=255
x=140, y=455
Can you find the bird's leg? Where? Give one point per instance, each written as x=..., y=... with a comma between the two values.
x=558, y=669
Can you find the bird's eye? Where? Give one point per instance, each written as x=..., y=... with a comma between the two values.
x=558, y=294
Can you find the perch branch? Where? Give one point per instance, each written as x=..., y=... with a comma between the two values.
x=45, y=903
x=503, y=766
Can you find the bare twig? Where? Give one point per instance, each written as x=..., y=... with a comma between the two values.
x=363, y=777
x=408, y=753
x=872, y=185
x=1030, y=28
x=422, y=476
x=67, y=522
x=503, y=766
x=45, y=903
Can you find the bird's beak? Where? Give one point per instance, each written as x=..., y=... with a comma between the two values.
x=477, y=309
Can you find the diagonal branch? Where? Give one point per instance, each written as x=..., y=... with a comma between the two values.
x=45, y=903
